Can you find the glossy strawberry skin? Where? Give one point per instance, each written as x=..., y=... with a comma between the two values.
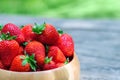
x=49, y=66
x=40, y=57
x=17, y=65
x=1, y=65
x=60, y=64
x=8, y=50
x=66, y=44
x=49, y=35
x=21, y=50
x=37, y=48
x=56, y=54
x=28, y=33
x=14, y=31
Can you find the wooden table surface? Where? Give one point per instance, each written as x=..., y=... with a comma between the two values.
x=97, y=43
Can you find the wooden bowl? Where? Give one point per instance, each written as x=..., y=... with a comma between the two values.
x=70, y=71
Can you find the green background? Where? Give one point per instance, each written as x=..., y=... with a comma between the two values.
x=62, y=8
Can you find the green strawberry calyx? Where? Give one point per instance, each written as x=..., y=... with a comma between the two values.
x=7, y=36
x=38, y=29
x=1, y=26
x=48, y=60
x=46, y=48
x=25, y=43
x=30, y=60
x=60, y=31
x=21, y=26
x=67, y=61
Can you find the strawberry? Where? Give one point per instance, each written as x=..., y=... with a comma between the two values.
x=40, y=57
x=1, y=65
x=8, y=49
x=38, y=69
x=47, y=34
x=60, y=64
x=22, y=63
x=66, y=44
x=14, y=31
x=49, y=64
x=56, y=54
x=21, y=50
x=28, y=33
x=37, y=48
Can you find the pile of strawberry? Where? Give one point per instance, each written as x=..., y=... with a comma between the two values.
x=34, y=47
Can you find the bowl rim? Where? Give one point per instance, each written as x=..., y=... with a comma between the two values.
x=45, y=71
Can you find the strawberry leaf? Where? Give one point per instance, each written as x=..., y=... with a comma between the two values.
x=25, y=43
x=47, y=48
x=21, y=26
x=48, y=60
x=7, y=36
x=67, y=61
x=33, y=67
x=1, y=26
x=24, y=62
x=38, y=29
x=32, y=58
x=60, y=31
x=32, y=62
x=11, y=38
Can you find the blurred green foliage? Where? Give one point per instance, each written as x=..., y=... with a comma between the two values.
x=62, y=8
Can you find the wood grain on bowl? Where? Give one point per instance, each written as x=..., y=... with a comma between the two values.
x=70, y=71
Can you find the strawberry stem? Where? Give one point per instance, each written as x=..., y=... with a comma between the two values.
x=38, y=29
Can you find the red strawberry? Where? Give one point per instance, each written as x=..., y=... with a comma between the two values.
x=47, y=34
x=1, y=65
x=56, y=54
x=40, y=57
x=14, y=31
x=60, y=64
x=28, y=33
x=22, y=63
x=66, y=44
x=38, y=69
x=49, y=64
x=37, y=48
x=8, y=50
x=21, y=50
x=17, y=64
